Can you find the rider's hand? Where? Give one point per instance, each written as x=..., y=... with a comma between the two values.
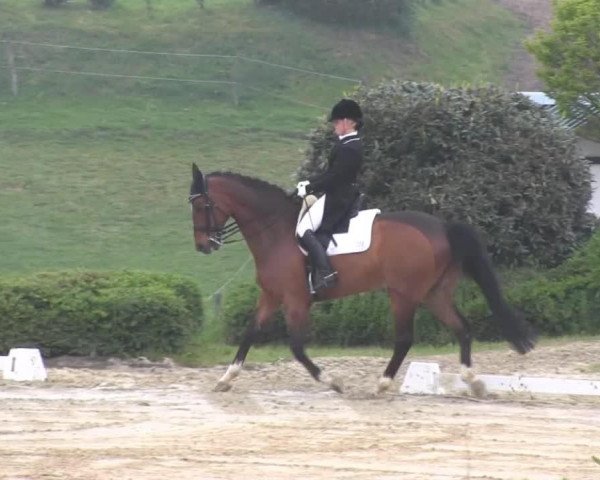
x=301, y=188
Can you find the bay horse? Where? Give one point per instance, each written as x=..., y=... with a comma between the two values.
x=416, y=257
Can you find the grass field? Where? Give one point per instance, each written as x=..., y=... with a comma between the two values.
x=115, y=197
x=96, y=170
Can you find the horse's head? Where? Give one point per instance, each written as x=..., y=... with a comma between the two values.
x=209, y=220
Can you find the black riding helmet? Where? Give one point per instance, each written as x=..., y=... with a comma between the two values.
x=347, y=108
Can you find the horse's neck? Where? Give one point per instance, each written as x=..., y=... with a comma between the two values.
x=262, y=226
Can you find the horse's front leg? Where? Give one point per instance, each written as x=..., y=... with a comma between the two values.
x=404, y=310
x=267, y=306
x=297, y=318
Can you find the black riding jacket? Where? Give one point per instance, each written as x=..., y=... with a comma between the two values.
x=339, y=181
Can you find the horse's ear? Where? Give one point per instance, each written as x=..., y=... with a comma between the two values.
x=196, y=173
x=198, y=178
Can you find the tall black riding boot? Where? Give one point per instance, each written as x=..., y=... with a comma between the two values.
x=323, y=275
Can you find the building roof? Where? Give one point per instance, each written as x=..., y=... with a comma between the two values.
x=540, y=98
x=577, y=116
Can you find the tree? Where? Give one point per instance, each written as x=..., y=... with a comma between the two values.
x=570, y=54
x=481, y=155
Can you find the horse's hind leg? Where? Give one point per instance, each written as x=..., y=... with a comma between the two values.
x=267, y=306
x=403, y=309
x=440, y=302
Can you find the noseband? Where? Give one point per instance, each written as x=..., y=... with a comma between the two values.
x=218, y=235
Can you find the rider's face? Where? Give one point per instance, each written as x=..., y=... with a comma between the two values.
x=343, y=126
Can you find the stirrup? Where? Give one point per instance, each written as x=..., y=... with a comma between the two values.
x=326, y=282
x=330, y=280
x=311, y=287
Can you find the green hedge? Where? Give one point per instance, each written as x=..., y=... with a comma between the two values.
x=561, y=301
x=359, y=320
x=363, y=319
x=91, y=313
x=567, y=299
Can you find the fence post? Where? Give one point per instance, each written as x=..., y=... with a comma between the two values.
x=235, y=75
x=218, y=302
x=14, y=79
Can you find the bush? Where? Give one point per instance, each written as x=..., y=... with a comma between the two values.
x=358, y=13
x=101, y=4
x=89, y=313
x=97, y=4
x=480, y=155
x=53, y=3
x=561, y=301
x=567, y=299
x=363, y=319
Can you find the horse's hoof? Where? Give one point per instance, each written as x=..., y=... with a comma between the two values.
x=337, y=385
x=222, y=387
x=467, y=374
x=478, y=388
x=384, y=384
x=333, y=383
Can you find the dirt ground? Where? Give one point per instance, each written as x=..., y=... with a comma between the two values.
x=138, y=420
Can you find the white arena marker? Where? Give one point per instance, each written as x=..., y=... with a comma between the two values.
x=425, y=378
x=24, y=364
x=518, y=384
x=421, y=378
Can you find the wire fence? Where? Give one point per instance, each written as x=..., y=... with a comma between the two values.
x=234, y=76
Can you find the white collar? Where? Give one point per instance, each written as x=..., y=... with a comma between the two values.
x=348, y=135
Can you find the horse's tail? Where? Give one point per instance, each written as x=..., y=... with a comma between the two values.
x=469, y=251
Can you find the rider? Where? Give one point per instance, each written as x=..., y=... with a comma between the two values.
x=338, y=187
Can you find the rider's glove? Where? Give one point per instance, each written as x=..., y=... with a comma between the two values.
x=301, y=188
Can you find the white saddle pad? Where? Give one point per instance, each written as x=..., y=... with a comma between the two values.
x=358, y=237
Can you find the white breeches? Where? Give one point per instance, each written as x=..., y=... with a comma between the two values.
x=311, y=220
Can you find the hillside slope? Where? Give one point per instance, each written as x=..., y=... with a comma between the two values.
x=537, y=15
x=96, y=168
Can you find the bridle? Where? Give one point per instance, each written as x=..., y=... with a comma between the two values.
x=218, y=235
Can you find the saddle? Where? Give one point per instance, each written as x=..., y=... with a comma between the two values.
x=357, y=206
x=353, y=234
